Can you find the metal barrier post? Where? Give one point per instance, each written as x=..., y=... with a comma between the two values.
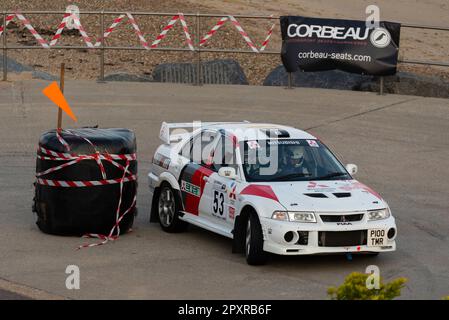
x=5, y=61
x=290, y=80
x=381, y=86
x=198, y=79
x=102, y=52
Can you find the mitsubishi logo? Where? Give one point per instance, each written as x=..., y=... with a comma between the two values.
x=343, y=222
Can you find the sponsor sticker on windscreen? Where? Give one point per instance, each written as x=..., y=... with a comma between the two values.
x=313, y=143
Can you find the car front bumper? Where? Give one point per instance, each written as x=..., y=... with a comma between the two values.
x=325, y=238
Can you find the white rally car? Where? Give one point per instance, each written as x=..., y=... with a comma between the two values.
x=270, y=188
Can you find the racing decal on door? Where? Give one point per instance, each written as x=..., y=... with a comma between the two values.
x=231, y=213
x=192, y=186
x=218, y=204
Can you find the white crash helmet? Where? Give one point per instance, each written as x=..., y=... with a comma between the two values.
x=295, y=155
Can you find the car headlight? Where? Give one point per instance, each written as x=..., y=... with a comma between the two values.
x=378, y=214
x=296, y=216
x=280, y=215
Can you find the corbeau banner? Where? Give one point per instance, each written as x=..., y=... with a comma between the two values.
x=313, y=44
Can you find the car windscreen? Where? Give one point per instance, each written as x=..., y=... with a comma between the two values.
x=289, y=160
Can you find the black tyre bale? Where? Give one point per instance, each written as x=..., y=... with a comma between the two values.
x=80, y=210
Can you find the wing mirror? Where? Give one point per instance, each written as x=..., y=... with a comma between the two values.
x=351, y=168
x=227, y=172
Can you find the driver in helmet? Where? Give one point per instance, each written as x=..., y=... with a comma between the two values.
x=293, y=160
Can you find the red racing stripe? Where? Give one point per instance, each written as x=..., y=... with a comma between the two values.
x=260, y=191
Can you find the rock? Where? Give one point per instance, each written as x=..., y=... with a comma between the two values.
x=213, y=72
x=406, y=83
x=122, y=76
x=333, y=79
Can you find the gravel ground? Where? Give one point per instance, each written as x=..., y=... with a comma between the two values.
x=84, y=64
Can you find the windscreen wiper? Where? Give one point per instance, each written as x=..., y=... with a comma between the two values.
x=293, y=175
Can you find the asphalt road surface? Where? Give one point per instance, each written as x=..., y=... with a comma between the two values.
x=400, y=143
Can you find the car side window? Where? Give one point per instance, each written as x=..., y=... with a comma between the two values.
x=186, y=149
x=225, y=154
x=217, y=159
x=202, y=146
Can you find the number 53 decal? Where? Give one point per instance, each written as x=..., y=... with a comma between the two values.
x=218, y=207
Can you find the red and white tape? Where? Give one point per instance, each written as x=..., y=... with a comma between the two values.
x=90, y=44
x=70, y=156
x=118, y=218
x=214, y=29
x=242, y=32
x=73, y=159
x=186, y=31
x=162, y=35
x=139, y=33
x=267, y=38
x=8, y=20
x=27, y=25
x=109, y=30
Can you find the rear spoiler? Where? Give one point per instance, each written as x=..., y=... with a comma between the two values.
x=168, y=138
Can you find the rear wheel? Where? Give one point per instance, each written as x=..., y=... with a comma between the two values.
x=168, y=210
x=254, y=241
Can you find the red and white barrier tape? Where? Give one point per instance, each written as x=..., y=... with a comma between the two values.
x=267, y=38
x=245, y=36
x=70, y=156
x=61, y=27
x=33, y=31
x=8, y=20
x=109, y=30
x=214, y=29
x=186, y=31
x=82, y=32
x=242, y=32
x=89, y=43
x=162, y=35
x=139, y=33
x=98, y=157
x=118, y=218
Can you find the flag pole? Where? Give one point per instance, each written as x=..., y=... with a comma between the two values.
x=61, y=86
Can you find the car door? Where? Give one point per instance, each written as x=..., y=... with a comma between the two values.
x=193, y=177
x=221, y=191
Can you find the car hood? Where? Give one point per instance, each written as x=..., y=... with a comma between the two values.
x=327, y=196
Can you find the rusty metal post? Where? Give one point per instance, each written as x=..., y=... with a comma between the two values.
x=61, y=86
x=198, y=80
x=5, y=57
x=102, y=52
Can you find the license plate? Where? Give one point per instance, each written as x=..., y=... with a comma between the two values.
x=377, y=237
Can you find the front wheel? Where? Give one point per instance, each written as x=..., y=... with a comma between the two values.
x=254, y=242
x=168, y=211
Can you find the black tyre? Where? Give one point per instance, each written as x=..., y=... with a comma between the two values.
x=254, y=242
x=168, y=210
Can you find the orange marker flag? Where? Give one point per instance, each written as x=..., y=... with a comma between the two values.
x=57, y=97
